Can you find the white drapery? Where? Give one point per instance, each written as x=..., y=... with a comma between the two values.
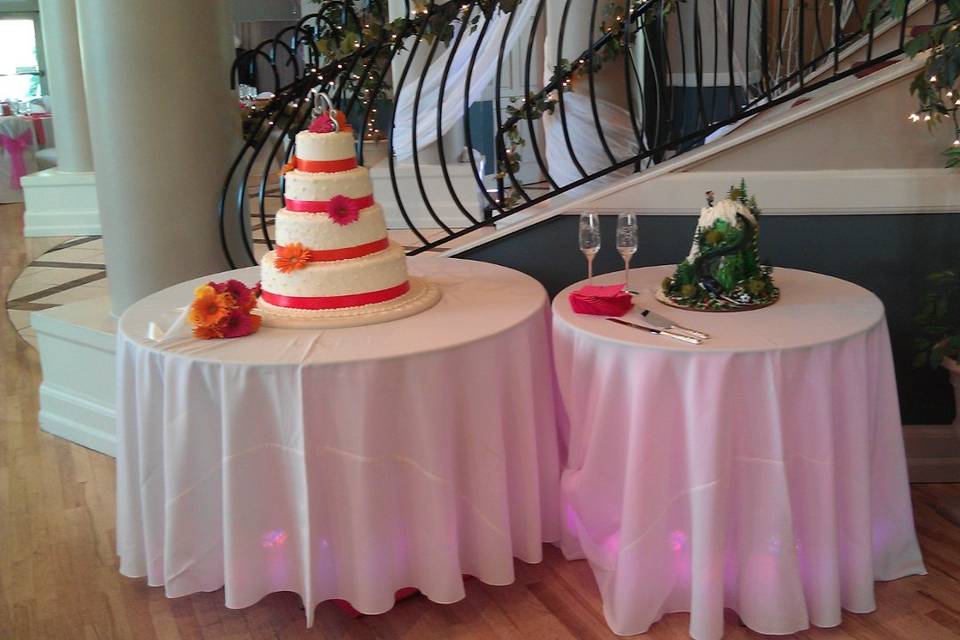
x=484, y=70
x=582, y=129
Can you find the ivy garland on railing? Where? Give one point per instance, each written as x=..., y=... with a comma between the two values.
x=371, y=26
x=936, y=84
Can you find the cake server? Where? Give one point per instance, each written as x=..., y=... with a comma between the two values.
x=661, y=322
x=659, y=332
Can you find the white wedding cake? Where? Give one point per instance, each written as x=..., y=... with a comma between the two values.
x=334, y=264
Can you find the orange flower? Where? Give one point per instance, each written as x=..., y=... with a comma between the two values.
x=209, y=307
x=291, y=257
x=207, y=333
x=342, y=121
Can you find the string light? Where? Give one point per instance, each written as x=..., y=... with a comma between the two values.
x=914, y=117
x=926, y=118
x=956, y=143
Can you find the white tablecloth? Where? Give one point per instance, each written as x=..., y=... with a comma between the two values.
x=343, y=463
x=762, y=471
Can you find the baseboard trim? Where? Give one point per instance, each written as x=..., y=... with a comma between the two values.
x=850, y=192
x=60, y=204
x=933, y=453
x=94, y=428
x=76, y=343
x=62, y=223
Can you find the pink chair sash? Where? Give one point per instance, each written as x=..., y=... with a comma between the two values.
x=15, y=146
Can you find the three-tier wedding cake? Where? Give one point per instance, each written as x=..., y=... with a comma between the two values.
x=334, y=264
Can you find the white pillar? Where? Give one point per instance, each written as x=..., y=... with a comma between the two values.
x=165, y=127
x=58, y=19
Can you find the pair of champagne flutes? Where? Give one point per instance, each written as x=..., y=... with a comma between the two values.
x=627, y=240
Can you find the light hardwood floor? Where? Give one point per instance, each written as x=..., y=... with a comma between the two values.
x=59, y=579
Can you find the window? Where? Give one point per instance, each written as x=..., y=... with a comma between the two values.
x=20, y=71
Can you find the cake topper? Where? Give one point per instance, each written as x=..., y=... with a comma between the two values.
x=326, y=118
x=324, y=114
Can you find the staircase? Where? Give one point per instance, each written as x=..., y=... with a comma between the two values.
x=661, y=90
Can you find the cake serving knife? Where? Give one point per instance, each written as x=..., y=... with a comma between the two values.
x=659, y=332
x=661, y=322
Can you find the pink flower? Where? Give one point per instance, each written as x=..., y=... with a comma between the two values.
x=343, y=210
x=242, y=294
x=322, y=124
x=239, y=324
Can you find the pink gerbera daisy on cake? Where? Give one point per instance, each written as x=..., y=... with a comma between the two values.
x=343, y=210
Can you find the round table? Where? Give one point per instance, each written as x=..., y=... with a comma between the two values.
x=343, y=463
x=762, y=471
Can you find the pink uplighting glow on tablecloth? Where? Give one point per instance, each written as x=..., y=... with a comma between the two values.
x=763, y=471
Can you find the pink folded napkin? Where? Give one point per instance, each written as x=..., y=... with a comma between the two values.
x=601, y=300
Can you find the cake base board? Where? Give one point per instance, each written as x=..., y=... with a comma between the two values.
x=422, y=295
x=730, y=308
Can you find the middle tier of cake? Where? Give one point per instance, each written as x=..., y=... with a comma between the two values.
x=379, y=276
x=312, y=187
x=319, y=232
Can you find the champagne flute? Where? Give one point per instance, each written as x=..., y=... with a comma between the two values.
x=589, y=239
x=627, y=240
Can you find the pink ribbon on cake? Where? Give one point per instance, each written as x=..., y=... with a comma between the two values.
x=15, y=146
x=323, y=206
x=316, y=303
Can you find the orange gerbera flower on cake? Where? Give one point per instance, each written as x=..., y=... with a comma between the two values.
x=342, y=121
x=291, y=257
x=209, y=307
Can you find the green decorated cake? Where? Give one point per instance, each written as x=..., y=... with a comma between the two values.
x=723, y=271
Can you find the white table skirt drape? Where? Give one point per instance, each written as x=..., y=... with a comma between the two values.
x=763, y=471
x=344, y=463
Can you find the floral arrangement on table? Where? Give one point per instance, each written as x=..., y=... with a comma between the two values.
x=723, y=270
x=224, y=310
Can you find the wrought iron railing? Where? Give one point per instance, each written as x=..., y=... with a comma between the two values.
x=682, y=70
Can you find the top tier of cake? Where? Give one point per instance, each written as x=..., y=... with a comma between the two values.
x=336, y=146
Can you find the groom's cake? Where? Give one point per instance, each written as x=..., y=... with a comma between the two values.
x=334, y=263
x=723, y=271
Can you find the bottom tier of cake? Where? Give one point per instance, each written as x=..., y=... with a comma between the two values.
x=421, y=294
x=370, y=279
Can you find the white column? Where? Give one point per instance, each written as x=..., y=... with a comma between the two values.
x=58, y=20
x=165, y=127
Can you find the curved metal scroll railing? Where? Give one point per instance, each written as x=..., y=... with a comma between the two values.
x=673, y=71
